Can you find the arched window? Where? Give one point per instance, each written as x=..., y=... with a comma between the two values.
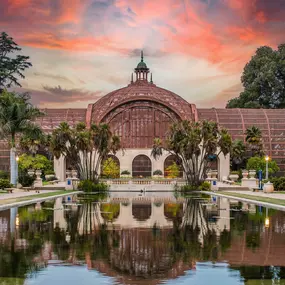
x=170, y=169
x=141, y=166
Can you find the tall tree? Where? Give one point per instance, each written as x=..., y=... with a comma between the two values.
x=17, y=117
x=85, y=148
x=254, y=141
x=238, y=151
x=263, y=79
x=193, y=143
x=11, y=67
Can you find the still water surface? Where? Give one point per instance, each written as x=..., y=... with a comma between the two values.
x=151, y=238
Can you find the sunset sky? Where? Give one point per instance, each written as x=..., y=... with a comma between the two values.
x=83, y=49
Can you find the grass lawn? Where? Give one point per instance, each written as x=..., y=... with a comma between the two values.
x=31, y=197
x=255, y=198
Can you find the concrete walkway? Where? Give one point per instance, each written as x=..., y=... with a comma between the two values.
x=18, y=193
x=274, y=195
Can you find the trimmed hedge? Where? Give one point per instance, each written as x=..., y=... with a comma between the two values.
x=89, y=186
x=5, y=183
x=278, y=183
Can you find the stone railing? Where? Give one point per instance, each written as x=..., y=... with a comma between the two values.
x=144, y=181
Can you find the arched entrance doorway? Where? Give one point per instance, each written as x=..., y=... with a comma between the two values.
x=141, y=166
x=173, y=167
x=110, y=167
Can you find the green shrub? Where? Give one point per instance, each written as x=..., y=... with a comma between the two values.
x=205, y=186
x=157, y=172
x=259, y=163
x=25, y=179
x=89, y=186
x=235, y=172
x=5, y=183
x=4, y=174
x=125, y=172
x=186, y=188
x=278, y=183
x=35, y=162
x=49, y=172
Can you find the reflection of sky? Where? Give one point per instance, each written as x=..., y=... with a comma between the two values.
x=209, y=274
x=205, y=274
x=75, y=275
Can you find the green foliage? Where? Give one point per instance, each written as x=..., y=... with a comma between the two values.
x=205, y=186
x=110, y=211
x=25, y=179
x=278, y=183
x=194, y=142
x=52, y=178
x=125, y=172
x=188, y=187
x=5, y=183
x=259, y=163
x=89, y=186
x=172, y=171
x=49, y=172
x=4, y=174
x=35, y=162
x=254, y=141
x=159, y=172
x=11, y=67
x=237, y=153
x=17, y=116
x=235, y=172
x=110, y=168
x=263, y=79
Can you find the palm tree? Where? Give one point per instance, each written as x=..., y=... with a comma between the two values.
x=17, y=117
x=238, y=152
x=85, y=148
x=254, y=141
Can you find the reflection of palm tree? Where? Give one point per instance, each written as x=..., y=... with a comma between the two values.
x=89, y=217
x=194, y=216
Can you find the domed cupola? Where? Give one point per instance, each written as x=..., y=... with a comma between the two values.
x=141, y=70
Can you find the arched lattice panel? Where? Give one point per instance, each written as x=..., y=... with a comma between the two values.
x=137, y=123
x=112, y=173
x=141, y=166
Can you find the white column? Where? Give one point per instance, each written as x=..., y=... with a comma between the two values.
x=223, y=166
x=59, y=168
x=14, y=167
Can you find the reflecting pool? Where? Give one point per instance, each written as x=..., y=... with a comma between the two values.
x=148, y=238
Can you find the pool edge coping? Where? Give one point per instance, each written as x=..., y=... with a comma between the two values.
x=252, y=201
x=37, y=200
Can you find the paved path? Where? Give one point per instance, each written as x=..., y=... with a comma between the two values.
x=275, y=195
x=17, y=193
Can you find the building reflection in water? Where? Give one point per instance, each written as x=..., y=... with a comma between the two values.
x=145, y=240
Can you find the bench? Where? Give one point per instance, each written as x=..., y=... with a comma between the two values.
x=9, y=190
x=255, y=189
x=228, y=181
x=27, y=189
x=53, y=182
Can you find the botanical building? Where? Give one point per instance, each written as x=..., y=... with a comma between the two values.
x=142, y=111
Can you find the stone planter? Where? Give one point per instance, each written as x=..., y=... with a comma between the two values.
x=68, y=173
x=244, y=174
x=214, y=173
x=234, y=177
x=268, y=187
x=31, y=172
x=126, y=176
x=209, y=174
x=74, y=173
x=158, y=176
x=48, y=176
x=38, y=174
x=252, y=173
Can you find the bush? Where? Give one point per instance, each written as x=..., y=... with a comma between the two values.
x=172, y=171
x=110, y=168
x=49, y=172
x=235, y=172
x=4, y=174
x=126, y=172
x=35, y=162
x=186, y=188
x=5, y=183
x=278, y=183
x=89, y=186
x=157, y=172
x=259, y=163
x=205, y=186
x=25, y=179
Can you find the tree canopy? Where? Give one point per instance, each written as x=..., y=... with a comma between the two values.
x=263, y=79
x=11, y=67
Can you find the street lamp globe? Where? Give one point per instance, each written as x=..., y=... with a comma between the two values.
x=266, y=157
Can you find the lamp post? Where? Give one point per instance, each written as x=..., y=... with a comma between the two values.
x=266, y=159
